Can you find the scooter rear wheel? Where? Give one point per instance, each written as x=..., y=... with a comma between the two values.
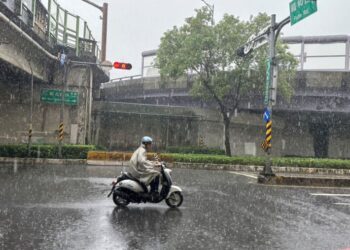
x=174, y=200
x=119, y=201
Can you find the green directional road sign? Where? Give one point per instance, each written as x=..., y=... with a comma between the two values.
x=300, y=9
x=54, y=96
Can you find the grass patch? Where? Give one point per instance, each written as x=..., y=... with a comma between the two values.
x=195, y=150
x=45, y=151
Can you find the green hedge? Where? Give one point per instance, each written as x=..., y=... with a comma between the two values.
x=46, y=151
x=196, y=150
x=80, y=152
x=260, y=161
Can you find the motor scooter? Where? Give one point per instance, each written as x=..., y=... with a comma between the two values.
x=129, y=189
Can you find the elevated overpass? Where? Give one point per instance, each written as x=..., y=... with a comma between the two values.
x=312, y=123
x=31, y=38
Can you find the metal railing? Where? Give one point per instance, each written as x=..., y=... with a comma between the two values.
x=120, y=81
x=311, y=59
x=21, y=9
x=70, y=30
x=308, y=57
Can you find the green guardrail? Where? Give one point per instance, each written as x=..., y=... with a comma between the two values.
x=70, y=30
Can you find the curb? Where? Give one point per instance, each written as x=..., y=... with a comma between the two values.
x=243, y=168
x=107, y=163
x=304, y=181
x=41, y=161
x=251, y=168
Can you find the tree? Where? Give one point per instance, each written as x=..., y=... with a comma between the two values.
x=209, y=51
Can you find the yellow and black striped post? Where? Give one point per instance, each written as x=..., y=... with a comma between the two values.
x=201, y=142
x=266, y=145
x=268, y=134
x=30, y=133
x=60, y=132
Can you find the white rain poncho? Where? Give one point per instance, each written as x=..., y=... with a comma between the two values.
x=142, y=168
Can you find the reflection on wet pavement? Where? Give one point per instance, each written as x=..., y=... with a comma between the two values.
x=66, y=208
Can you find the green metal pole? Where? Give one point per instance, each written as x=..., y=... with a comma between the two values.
x=65, y=36
x=49, y=20
x=34, y=10
x=77, y=37
x=85, y=24
x=57, y=22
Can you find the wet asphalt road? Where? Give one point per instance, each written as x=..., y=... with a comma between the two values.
x=66, y=208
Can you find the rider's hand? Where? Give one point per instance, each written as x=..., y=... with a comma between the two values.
x=157, y=164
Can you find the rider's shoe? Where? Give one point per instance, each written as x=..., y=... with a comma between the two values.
x=155, y=196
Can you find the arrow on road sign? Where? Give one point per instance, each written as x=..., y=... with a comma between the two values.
x=267, y=115
x=254, y=42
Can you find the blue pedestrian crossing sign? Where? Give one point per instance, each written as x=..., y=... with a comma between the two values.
x=267, y=115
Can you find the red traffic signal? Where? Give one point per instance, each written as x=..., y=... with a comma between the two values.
x=120, y=65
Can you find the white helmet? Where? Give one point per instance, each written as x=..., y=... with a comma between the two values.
x=146, y=140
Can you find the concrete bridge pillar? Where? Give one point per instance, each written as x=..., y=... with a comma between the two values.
x=320, y=134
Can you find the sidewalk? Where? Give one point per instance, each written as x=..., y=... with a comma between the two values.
x=40, y=161
x=318, y=180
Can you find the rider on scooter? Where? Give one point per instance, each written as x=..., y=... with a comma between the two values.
x=143, y=169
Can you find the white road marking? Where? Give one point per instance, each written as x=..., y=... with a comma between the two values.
x=306, y=187
x=336, y=195
x=244, y=174
x=342, y=203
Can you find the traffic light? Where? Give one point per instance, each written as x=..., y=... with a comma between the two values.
x=120, y=65
x=240, y=52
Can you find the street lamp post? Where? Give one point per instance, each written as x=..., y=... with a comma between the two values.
x=104, y=10
x=211, y=7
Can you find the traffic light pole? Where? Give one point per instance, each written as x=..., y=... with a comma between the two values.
x=67, y=65
x=269, y=34
x=104, y=10
x=104, y=31
x=267, y=171
x=61, y=125
x=271, y=88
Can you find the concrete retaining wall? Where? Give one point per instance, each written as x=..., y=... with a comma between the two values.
x=121, y=126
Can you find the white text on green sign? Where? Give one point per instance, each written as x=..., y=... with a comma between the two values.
x=300, y=9
x=54, y=96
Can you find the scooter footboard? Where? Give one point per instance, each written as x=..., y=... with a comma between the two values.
x=174, y=189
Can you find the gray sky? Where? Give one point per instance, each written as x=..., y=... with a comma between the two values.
x=137, y=25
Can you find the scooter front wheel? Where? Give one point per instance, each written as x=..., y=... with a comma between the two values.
x=175, y=199
x=120, y=201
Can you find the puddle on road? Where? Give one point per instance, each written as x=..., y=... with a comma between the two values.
x=97, y=204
